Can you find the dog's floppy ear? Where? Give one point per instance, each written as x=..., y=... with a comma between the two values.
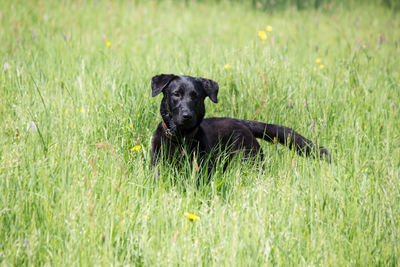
x=159, y=82
x=211, y=88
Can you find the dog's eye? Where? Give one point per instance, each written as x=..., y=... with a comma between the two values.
x=177, y=94
x=193, y=95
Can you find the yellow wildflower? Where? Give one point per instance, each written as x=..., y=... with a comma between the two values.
x=269, y=28
x=108, y=43
x=321, y=66
x=81, y=110
x=318, y=60
x=53, y=146
x=314, y=69
x=137, y=147
x=227, y=66
x=130, y=126
x=66, y=111
x=192, y=217
x=262, y=35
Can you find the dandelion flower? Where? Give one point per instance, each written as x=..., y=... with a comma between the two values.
x=82, y=110
x=318, y=60
x=262, y=35
x=66, y=111
x=130, y=126
x=227, y=66
x=314, y=69
x=108, y=43
x=192, y=217
x=137, y=147
x=321, y=66
x=269, y=28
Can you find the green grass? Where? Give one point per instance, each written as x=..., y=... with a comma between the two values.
x=72, y=192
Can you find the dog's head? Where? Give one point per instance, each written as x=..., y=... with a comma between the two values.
x=182, y=107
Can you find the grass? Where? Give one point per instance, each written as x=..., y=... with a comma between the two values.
x=73, y=192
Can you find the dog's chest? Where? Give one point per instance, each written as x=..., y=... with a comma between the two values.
x=183, y=148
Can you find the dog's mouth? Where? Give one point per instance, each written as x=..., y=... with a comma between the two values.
x=185, y=122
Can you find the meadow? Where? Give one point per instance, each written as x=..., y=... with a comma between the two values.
x=77, y=117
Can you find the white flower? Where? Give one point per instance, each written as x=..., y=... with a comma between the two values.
x=31, y=126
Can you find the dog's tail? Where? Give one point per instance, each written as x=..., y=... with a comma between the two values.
x=281, y=134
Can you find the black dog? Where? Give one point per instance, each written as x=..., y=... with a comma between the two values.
x=183, y=128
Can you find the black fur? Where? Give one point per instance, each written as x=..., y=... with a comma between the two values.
x=182, y=110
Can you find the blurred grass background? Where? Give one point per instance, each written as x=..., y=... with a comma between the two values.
x=76, y=120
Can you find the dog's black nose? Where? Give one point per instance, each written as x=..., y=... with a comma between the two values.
x=187, y=116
